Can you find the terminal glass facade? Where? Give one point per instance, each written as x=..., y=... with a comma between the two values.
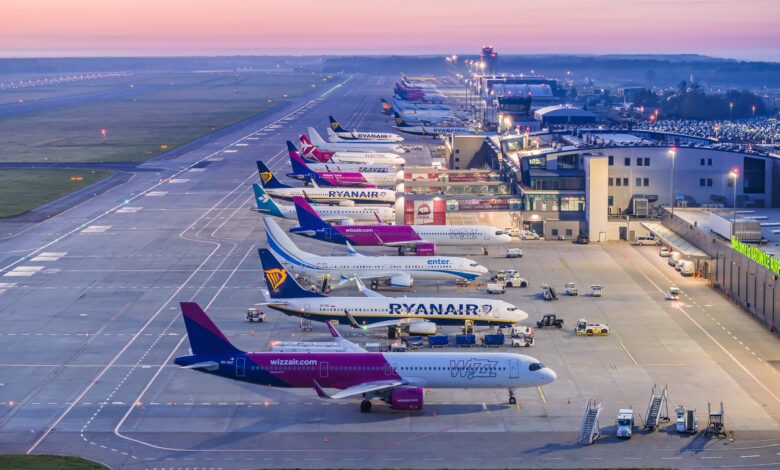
x=555, y=202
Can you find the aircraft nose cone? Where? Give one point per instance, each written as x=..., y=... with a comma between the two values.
x=549, y=376
x=520, y=316
x=481, y=269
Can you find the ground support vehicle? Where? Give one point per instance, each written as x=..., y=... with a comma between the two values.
x=550, y=320
x=571, y=289
x=253, y=314
x=495, y=288
x=673, y=293
x=514, y=253
x=590, y=329
x=596, y=290
x=625, y=423
x=522, y=336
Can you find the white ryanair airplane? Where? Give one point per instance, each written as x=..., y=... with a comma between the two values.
x=352, y=145
x=395, y=271
x=424, y=313
x=356, y=135
x=343, y=215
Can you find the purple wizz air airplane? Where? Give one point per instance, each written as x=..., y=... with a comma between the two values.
x=421, y=238
x=398, y=379
x=301, y=170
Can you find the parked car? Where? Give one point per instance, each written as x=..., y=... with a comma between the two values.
x=664, y=252
x=528, y=235
x=512, y=231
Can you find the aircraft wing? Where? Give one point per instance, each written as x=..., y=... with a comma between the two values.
x=341, y=220
x=359, y=389
x=352, y=250
x=349, y=345
x=397, y=322
x=366, y=291
x=402, y=242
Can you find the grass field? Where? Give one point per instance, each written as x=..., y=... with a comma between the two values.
x=143, y=114
x=47, y=462
x=23, y=189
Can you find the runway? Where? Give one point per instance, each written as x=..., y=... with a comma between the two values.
x=90, y=325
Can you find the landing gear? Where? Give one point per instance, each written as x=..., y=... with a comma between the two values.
x=365, y=406
x=512, y=399
x=374, y=284
x=484, y=250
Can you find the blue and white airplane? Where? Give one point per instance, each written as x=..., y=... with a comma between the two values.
x=343, y=215
x=395, y=271
x=399, y=379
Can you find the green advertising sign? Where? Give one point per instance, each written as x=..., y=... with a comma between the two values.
x=764, y=259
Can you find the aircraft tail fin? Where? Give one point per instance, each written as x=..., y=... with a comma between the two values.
x=315, y=138
x=281, y=245
x=281, y=285
x=334, y=124
x=332, y=136
x=205, y=338
x=399, y=120
x=264, y=203
x=267, y=178
x=311, y=151
x=308, y=219
x=299, y=166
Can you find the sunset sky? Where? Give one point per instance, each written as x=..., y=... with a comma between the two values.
x=745, y=29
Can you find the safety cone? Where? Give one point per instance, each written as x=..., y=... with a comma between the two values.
x=434, y=414
x=173, y=402
x=253, y=332
x=325, y=439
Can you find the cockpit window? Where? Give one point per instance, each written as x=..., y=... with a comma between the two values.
x=536, y=366
x=499, y=232
x=511, y=309
x=473, y=265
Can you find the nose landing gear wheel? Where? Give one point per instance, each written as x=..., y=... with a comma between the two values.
x=512, y=399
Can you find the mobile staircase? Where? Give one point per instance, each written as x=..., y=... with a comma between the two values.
x=549, y=292
x=590, y=422
x=655, y=408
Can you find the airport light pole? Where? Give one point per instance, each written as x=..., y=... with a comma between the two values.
x=734, y=174
x=673, y=153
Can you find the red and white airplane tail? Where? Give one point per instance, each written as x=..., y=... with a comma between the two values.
x=308, y=150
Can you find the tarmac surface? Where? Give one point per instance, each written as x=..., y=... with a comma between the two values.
x=90, y=323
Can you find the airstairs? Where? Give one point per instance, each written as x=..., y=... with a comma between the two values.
x=590, y=422
x=655, y=408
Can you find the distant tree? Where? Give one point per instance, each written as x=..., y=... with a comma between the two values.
x=646, y=98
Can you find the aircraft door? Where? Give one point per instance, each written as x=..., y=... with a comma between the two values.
x=240, y=367
x=323, y=370
x=514, y=369
x=485, y=235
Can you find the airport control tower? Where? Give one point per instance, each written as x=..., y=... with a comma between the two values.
x=490, y=59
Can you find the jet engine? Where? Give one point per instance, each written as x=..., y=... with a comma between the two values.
x=425, y=249
x=403, y=281
x=407, y=398
x=422, y=328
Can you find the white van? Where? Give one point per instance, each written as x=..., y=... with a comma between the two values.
x=687, y=267
x=674, y=258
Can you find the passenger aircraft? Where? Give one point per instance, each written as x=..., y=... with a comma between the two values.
x=403, y=126
x=339, y=214
x=311, y=152
x=301, y=170
x=398, y=379
x=378, y=136
x=352, y=145
x=395, y=271
x=287, y=296
x=340, y=196
x=422, y=238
